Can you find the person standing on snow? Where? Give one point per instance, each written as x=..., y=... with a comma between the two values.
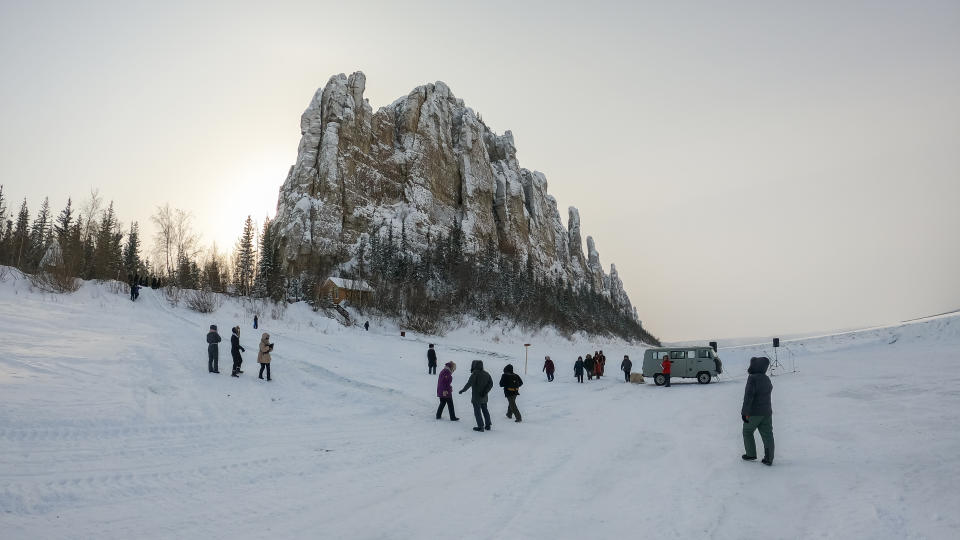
x=626, y=366
x=757, y=411
x=213, y=350
x=590, y=365
x=445, y=390
x=263, y=357
x=665, y=367
x=481, y=383
x=431, y=360
x=366, y=326
x=256, y=322
x=578, y=369
x=235, y=349
x=548, y=367
x=601, y=361
x=511, y=383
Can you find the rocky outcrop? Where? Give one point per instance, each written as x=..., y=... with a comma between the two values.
x=428, y=163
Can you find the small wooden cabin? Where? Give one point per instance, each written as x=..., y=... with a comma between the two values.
x=337, y=289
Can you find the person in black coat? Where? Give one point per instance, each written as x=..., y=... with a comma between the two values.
x=431, y=360
x=511, y=383
x=757, y=410
x=481, y=383
x=626, y=366
x=578, y=369
x=213, y=350
x=235, y=349
x=590, y=365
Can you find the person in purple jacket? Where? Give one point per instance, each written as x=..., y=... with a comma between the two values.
x=445, y=390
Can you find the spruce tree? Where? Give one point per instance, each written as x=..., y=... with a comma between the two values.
x=107, y=256
x=269, y=282
x=20, y=247
x=245, y=260
x=131, y=250
x=39, y=234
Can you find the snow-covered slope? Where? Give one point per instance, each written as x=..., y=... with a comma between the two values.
x=111, y=427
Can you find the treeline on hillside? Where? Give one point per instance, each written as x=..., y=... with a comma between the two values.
x=445, y=282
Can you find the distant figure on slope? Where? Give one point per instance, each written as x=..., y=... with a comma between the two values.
x=578, y=369
x=263, y=357
x=481, y=383
x=366, y=326
x=213, y=350
x=445, y=390
x=235, y=349
x=757, y=411
x=548, y=367
x=665, y=367
x=590, y=365
x=601, y=361
x=626, y=366
x=134, y=292
x=511, y=383
x=256, y=322
x=431, y=360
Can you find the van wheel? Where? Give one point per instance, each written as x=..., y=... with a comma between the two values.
x=703, y=377
x=659, y=379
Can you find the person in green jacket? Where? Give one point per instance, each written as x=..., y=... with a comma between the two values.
x=481, y=383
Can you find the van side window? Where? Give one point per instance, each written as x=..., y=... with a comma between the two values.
x=678, y=355
x=691, y=354
x=705, y=353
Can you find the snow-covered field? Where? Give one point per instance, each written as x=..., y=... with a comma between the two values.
x=111, y=427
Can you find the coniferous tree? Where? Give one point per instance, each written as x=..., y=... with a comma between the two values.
x=20, y=247
x=270, y=282
x=39, y=235
x=245, y=260
x=131, y=250
x=108, y=253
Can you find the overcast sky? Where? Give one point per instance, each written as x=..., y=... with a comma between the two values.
x=755, y=169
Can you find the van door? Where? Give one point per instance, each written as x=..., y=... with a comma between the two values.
x=705, y=361
x=678, y=364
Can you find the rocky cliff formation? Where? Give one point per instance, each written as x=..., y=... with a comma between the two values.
x=426, y=162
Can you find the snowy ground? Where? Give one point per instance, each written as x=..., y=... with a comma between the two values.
x=111, y=427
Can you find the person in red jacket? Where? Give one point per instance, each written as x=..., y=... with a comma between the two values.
x=665, y=365
x=548, y=367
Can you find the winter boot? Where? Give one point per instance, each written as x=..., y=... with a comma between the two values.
x=478, y=429
x=766, y=462
x=454, y=419
x=748, y=458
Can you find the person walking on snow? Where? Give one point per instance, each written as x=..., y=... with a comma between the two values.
x=601, y=361
x=665, y=367
x=590, y=365
x=445, y=390
x=431, y=360
x=548, y=367
x=256, y=322
x=578, y=369
x=235, y=349
x=757, y=411
x=511, y=383
x=626, y=366
x=481, y=383
x=263, y=357
x=213, y=350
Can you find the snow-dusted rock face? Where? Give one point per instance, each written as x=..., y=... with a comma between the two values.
x=426, y=162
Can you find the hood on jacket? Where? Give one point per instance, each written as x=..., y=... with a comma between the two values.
x=451, y=366
x=236, y=331
x=476, y=365
x=508, y=368
x=265, y=337
x=213, y=328
x=758, y=364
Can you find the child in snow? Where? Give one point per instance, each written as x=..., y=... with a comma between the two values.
x=263, y=357
x=213, y=350
x=235, y=349
x=445, y=390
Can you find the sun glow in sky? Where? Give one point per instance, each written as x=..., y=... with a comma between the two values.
x=751, y=168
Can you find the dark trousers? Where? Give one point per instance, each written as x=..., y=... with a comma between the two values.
x=446, y=402
x=589, y=374
x=213, y=359
x=579, y=377
x=549, y=376
x=432, y=368
x=512, y=407
x=482, y=415
x=268, y=370
x=626, y=376
x=763, y=424
x=667, y=376
x=236, y=362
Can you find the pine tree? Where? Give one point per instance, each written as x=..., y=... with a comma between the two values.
x=269, y=282
x=61, y=229
x=20, y=239
x=245, y=259
x=131, y=250
x=39, y=234
x=107, y=254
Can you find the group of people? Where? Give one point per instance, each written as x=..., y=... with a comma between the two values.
x=756, y=412
x=213, y=351
x=136, y=282
x=480, y=383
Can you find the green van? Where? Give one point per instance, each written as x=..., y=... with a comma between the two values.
x=701, y=363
